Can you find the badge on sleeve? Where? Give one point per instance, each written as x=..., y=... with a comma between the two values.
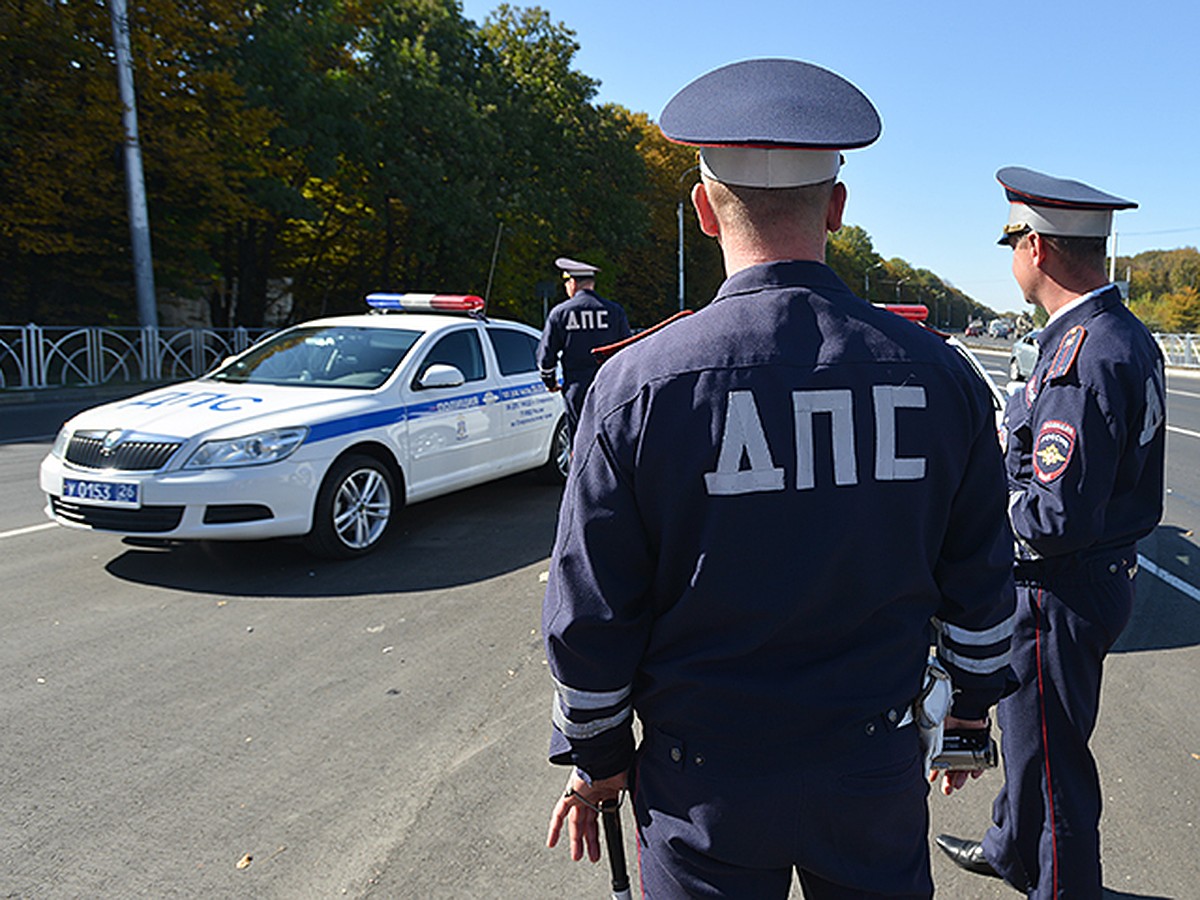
x=1053, y=449
x=1068, y=350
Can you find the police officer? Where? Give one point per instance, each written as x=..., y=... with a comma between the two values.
x=1084, y=453
x=768, y=502
x=583, y=321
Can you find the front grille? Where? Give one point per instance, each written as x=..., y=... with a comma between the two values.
x=86, y=450
x=147, y=520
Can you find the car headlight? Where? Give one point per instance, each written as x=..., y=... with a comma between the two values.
x=59, y=449
x=251, y=450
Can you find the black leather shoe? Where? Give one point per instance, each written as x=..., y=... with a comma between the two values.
x=966, y=855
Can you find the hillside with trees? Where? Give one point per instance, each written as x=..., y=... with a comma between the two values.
x=1164, y=288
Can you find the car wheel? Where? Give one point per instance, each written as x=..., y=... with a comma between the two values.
x=1014, y=370
x=558, y=464
x=353, y=510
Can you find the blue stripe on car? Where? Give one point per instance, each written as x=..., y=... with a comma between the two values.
x=384, y=417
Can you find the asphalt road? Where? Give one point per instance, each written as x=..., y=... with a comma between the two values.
x=378, y=728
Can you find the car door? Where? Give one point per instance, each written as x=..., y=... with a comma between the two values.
x=452, y=429
x=530, y=411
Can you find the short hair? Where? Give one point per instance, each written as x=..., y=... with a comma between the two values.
x=766, y=208
x=1083, y=255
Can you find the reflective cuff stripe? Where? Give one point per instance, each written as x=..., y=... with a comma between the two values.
x=573, y=698
x=577, y=731
x=1014, y=497
x=975, y=666
x=972, y=638
x=545, y=373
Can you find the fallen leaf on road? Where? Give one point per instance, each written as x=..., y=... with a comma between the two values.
x=244, y=862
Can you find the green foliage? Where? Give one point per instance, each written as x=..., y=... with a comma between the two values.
x=341, y=146
x=1164, y=288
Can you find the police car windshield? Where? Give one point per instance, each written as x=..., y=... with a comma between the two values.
x=343, y=357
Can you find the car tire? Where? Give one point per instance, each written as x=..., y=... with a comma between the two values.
x=1014, y=370
x=354, y=508
x=558, y=463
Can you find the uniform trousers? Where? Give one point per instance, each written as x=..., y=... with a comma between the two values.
x=850, y=817
x=573, y=394
x=1070, y=611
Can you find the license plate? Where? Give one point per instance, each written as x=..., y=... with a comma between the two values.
x=103, y=493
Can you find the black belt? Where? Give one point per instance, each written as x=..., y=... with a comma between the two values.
x=1086, y=565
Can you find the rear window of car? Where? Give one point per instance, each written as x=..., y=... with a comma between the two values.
x=516, y=351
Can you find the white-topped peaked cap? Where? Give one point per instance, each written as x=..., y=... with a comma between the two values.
x=1056, y=206
x=573, y=268
x=771, y=123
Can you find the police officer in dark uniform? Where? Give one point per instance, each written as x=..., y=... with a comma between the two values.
x=1084, y=453
x=583, y=321
x=769, y=501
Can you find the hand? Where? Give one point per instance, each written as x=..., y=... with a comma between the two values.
x=953, y=781
x=576, y=807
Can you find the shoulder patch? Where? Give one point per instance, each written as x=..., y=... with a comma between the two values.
x=1053, y=450
x=607, y=351
x=1065, y=355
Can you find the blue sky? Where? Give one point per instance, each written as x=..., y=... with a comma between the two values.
x=1103, y=92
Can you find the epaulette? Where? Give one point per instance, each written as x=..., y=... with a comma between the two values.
x=1068, y=350
x=608, y=351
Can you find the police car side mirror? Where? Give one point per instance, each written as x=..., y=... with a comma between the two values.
x=440, y=375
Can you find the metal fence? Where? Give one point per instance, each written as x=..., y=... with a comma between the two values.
x=35, y=357
x=32, y=356
x=1180, y=349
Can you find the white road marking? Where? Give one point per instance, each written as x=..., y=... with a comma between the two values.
x=1177, y=430
x=1174, y=581
x=16, y=532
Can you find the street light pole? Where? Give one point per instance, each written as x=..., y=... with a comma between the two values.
x=867, y=280
x=679, y=221
x=135, y=183
x=898, y=283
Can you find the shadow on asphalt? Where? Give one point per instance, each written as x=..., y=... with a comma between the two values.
x=460, y=539
x=1163, y=617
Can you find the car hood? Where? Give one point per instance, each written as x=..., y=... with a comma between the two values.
x=194, y=408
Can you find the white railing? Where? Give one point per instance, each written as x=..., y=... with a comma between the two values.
x=33, y=356
x=1180, y=349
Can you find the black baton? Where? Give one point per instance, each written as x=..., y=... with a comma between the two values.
x=610, y=814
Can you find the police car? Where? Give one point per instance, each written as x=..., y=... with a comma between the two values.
x=324, y=430
x=918, y=313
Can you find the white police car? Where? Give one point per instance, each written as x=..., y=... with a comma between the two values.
x=918, y=313
x=324, y=430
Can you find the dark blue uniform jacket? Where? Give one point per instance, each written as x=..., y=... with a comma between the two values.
x=768, y=502
x=1085, y=437
x=573, y=328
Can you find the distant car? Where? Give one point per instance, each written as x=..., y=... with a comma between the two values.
x=999, y=328
x=1024, y=356
x=323, y=431
x=973, y=329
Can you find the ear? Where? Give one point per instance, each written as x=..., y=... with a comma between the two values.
x=704, y=211
x=1038, y=249
x=837, y=206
